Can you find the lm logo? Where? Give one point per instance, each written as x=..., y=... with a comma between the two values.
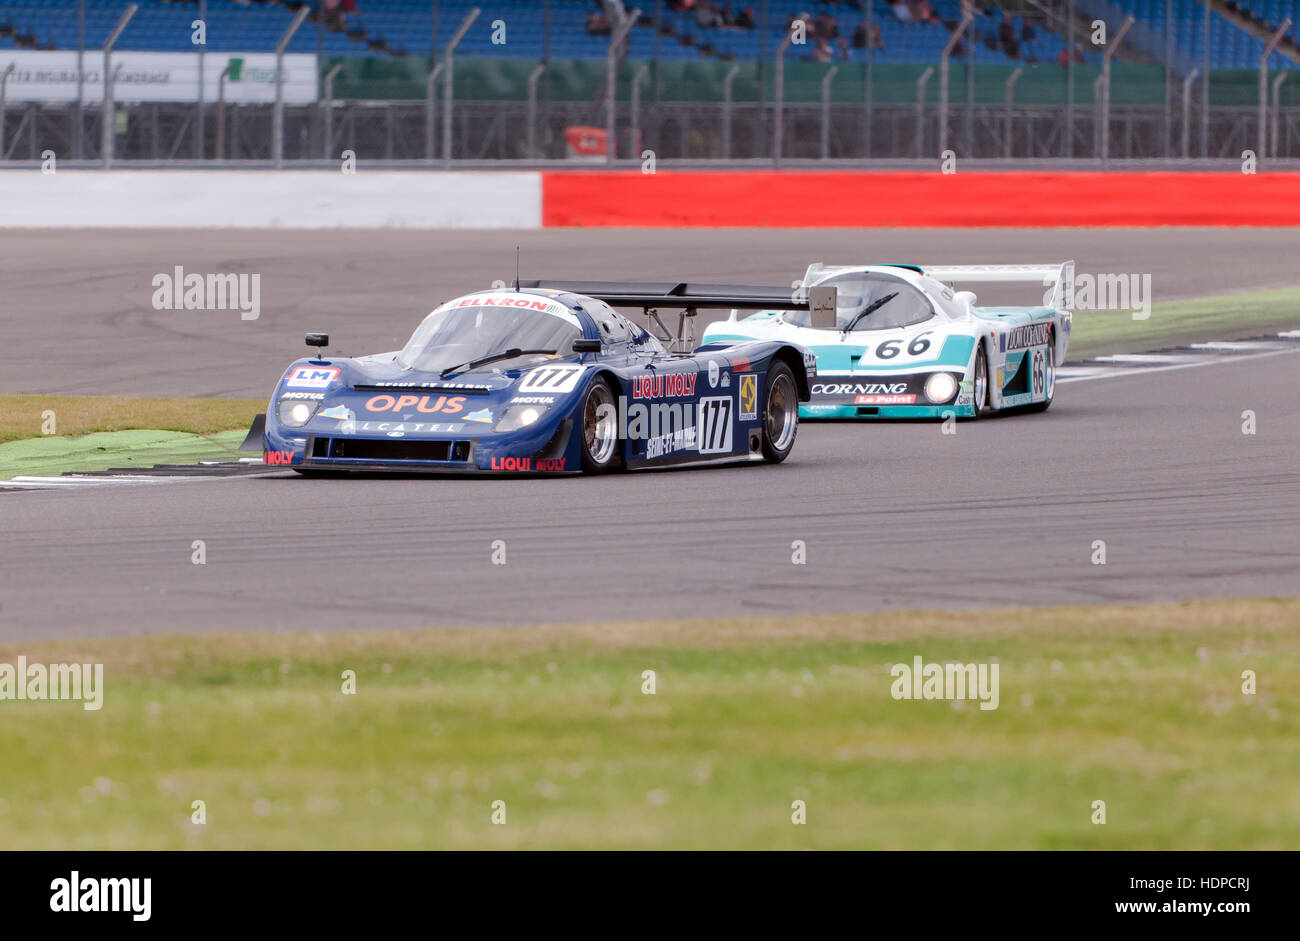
x=277, y=457
x=311, y=377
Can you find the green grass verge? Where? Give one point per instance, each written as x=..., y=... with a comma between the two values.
x=24, y=416
x=1140, y=706
x=42, y=457
x=1102, y=332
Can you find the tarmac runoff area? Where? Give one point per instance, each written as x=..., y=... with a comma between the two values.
x=1148, y=458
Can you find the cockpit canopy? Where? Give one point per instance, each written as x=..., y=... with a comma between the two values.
x=483, y=325
x=859, y=290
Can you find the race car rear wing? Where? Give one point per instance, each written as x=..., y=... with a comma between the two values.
x=688, y=298
x=1060, y=278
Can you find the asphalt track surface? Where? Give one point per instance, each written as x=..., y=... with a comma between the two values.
x=1004, y=512
x=78, y=318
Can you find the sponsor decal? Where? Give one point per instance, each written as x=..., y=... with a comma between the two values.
x=664, y=386
x=533, y=400
x=860, y=388
x=748, y=396
x=277, y=457
x=810, y=363
x=885, y=400
x=551, y=379
x=338, y=413
x=726, y=380
x=683, y=439
x=455, y=386
x=715, y=424
x=527, y=464
x=530, y=303
x=311, y=377
x=428, y=404
x=713, y=374
x=418, y=427
x=740, y=365
x=1001, y=377
x=483, y=415
x=1023, y=337
x=310, y=396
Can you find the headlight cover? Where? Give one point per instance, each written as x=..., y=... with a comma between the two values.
x=520, y=416
x=940, y=388
x=294, y=413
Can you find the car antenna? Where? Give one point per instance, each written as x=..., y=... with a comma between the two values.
x=516, y=267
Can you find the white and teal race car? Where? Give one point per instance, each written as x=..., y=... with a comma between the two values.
x=903, y=342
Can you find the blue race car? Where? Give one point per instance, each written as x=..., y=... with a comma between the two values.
x=544, y=379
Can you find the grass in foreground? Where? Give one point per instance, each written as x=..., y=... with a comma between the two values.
x=22, y=416
x=1102, y=332
x=1138, y=706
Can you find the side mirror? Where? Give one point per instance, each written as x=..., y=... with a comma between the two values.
x=318, y=340
x=583, y=345
x=821, y=306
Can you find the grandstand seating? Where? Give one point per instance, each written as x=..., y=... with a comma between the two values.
x=405, y=26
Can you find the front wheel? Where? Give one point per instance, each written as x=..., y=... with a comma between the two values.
x=980, y=379
x=599, y=429
x=780, y=413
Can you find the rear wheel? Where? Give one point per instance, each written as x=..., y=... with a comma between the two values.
x=780, y=413
x=599, y=429
x=1049, y=377
x=981, y=383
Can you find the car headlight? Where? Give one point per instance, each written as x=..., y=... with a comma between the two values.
x=520, y=416
x=294, y=413
x=940, y=387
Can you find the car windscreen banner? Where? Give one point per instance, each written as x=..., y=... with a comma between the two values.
x=157, y=76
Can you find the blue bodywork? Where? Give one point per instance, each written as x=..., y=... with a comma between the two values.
x=373, y=414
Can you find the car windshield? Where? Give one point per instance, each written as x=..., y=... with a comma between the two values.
x=860, y=290
x=455, y=336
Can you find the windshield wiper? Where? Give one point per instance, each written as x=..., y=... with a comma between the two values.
x=870, y=309
x=475, y=363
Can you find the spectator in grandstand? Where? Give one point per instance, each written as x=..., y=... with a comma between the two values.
x=902, y=12
x=860, y=36
x=1027, y=33
x=746, y=18
x=822, y=51
x=1007, y=36
x=827, y=28
x=1064, y=58
x=706, y=15
x=598, y=24
x=922, y=12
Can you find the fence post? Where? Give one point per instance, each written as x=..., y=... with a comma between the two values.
x=1011, y=95
x=221, y=112
x=1263, y=87
x=1111, y=48
x=277, y=129
x=532, y=109
x=4, y=80
x=611, y=84
x=109, y=117
x=1277, y=96
x=636, y=105
x=1187, y=110
x=943, y=79
x=447, y=99
x=328, y=142
x=826, y=111
x=430, y=110
x=726, y=110
x=920, y=109
x=778, y=128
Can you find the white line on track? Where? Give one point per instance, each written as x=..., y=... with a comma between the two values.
x=1085, y=373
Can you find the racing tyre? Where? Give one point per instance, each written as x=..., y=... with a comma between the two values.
x=780, y=413
x=1049, y=376
x=981, y=383
x=599, y=429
